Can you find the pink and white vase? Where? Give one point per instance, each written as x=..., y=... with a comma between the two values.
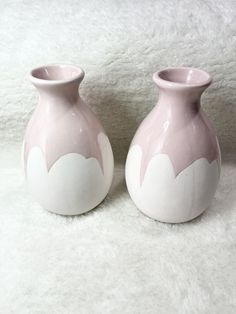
x=68, y=158
x=173, y=164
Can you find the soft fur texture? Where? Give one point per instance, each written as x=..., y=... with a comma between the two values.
x=114, y=259
x=119, y=44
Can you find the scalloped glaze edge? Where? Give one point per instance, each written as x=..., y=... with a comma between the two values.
x=74, y=184
x=166, y=197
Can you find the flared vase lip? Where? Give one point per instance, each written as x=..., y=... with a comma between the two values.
x=36, y=74
x=163, y=78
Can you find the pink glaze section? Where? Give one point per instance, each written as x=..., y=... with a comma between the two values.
x=61, y=123
x=177, y=126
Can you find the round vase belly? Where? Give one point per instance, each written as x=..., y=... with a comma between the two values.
x=166, y=197
x=173, y=164
x=67, y=156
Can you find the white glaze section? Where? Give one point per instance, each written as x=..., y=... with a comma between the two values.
x=165, y=197
x=74, y=184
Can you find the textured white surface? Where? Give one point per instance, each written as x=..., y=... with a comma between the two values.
x=114, y=259
x=166, y=197
x=119, y=44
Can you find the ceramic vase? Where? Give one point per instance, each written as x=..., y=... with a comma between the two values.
x=173, y=164
x=68, y=158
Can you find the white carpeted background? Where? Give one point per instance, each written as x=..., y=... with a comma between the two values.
x=114, y=259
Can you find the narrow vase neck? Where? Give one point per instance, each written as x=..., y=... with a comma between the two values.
x=66, y=93
x=180, y=99
x=57, y=84
x=181, y=88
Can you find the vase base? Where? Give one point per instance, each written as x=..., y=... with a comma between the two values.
x=166, y=197
x=66, y=213
x=174, y=221
x=74, y=185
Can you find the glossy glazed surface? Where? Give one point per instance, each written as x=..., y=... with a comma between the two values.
x=74, y=184
x=68, y=158
x=177, y=126
x=175, y=154
x=165, y=197
x=61, y=123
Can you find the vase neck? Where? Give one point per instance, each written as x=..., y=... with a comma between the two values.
x=65, y=93
x=181, y=88
x=179, y=100
x=58, y=83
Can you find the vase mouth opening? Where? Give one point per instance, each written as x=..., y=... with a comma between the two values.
x=182, y=77
x=56, y=74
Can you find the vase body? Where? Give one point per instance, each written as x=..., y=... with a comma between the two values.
x=173, y=164
x=68, y=158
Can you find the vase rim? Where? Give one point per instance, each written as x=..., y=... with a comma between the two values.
x=56, y=74
x=182, y=77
